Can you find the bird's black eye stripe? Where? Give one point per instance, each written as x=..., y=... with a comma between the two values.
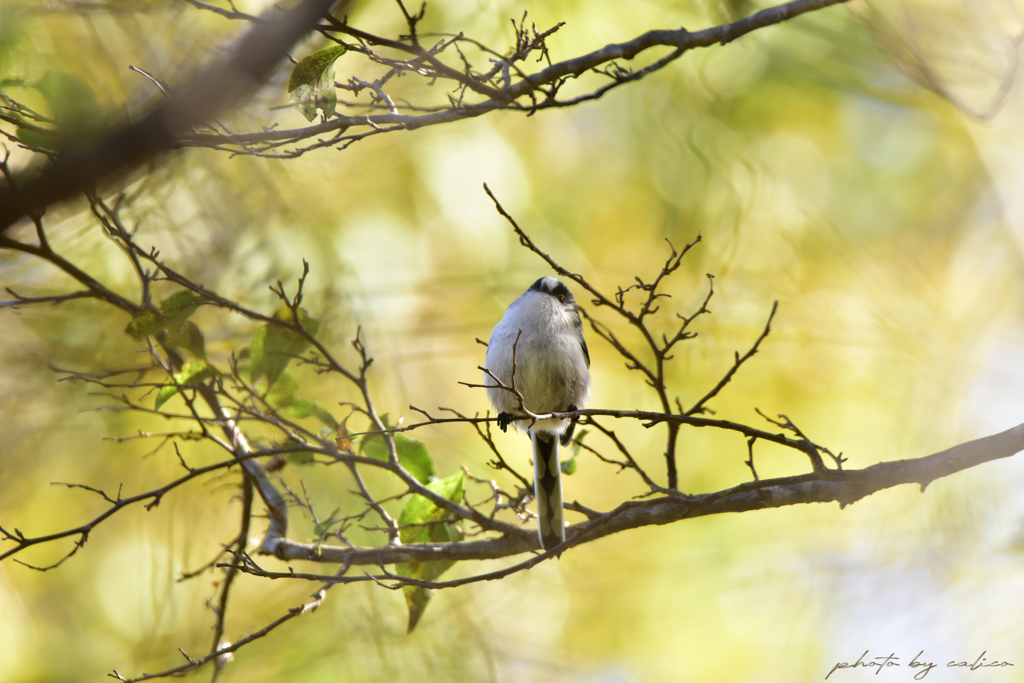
x=560, y=291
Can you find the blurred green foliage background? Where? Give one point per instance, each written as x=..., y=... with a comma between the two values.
x=820, y=170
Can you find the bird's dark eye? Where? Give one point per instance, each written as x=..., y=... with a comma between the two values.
x=561, y=297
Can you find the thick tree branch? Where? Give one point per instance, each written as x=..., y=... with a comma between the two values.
x=845, y=487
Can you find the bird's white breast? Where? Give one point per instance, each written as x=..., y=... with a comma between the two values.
x=551, y=371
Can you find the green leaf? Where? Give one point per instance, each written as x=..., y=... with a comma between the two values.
x=145, y=323
x=569, y=466
x=301, y=457
x=418, y=511
x=80, y=119
x=165, y=394
x=373, y=446
x=577, y=443
x=148, y=321
x=12, y=29
x=179, y=307
x=173, y=312
x=192, y=371
x=188, y=337
x=412, y=455
x=273, y=347
x=302, y=409
x=283, y=390
x=312, y=83
x=320, y=529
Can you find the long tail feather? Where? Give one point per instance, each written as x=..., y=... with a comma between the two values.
x=547, y=476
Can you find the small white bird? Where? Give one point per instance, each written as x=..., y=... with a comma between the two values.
x=552, y=375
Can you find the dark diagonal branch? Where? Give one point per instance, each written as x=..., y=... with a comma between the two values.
x=212, y=91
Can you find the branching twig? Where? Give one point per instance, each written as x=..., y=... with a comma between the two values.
x=698, y=407
x=194, y=664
